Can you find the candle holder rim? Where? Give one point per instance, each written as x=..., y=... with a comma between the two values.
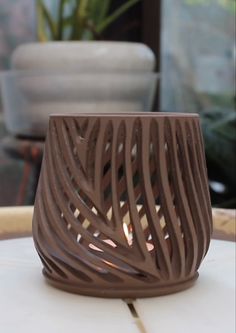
x=125, y=114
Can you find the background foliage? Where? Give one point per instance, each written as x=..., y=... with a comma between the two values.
x=78, y=19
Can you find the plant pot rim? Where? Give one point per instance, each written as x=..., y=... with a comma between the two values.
x=106, y=56
x=84, y=43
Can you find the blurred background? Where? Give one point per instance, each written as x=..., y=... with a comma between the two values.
x=194, y=45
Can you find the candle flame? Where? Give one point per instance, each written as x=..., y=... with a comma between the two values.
x=128, y=235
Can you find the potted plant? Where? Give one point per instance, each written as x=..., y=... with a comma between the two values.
x=71, y=72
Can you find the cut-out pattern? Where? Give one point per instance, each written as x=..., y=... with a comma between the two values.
x=122, y=207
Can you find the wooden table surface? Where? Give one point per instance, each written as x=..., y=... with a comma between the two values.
x=28, y=304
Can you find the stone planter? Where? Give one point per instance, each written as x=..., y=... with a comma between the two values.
x=65, y=77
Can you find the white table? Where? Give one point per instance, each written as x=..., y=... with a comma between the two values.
x=28, y=304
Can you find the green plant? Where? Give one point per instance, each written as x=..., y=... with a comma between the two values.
x=219, y=130
x=78, y=19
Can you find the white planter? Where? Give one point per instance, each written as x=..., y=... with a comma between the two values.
x=74, y=77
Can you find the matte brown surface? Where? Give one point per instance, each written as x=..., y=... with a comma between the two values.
x=96, y=225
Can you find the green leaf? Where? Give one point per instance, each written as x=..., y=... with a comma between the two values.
x=81, y=18
x=73, y=35
x=41, y=33
x=68, y=21
x=46, y=20
x=60, y=19
x=100, y=10
x=88, y=19
x=115, y=15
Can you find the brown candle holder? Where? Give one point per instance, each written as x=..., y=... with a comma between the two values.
x=122, y=207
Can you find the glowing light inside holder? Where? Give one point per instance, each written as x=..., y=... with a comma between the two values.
x=150, y=246
x=128, y=234
x=107, y=241
x=129, y=237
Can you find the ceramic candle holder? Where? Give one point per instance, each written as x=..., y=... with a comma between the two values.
x=122, y=207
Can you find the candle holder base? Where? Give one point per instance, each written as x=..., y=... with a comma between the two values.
x=114, y=291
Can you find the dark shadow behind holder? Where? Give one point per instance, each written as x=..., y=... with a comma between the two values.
x=122, y=207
